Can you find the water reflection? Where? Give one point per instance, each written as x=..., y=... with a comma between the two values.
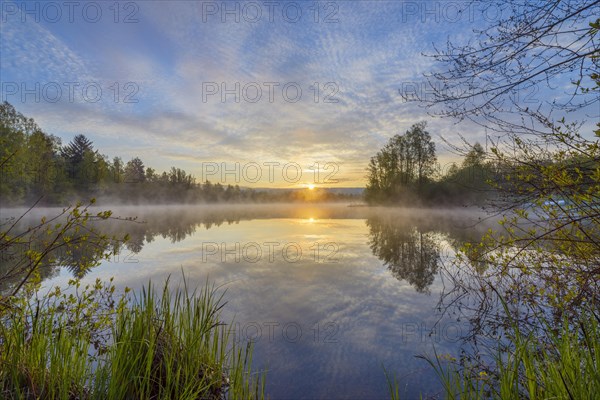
x=409, y=254
x=408, y=242
x=175, y=223
x=354, y=313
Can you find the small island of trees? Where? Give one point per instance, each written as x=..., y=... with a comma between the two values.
x=405, y=172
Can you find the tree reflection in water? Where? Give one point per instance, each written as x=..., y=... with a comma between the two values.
x=410, y=254
x=175, y=223
x=407, y=241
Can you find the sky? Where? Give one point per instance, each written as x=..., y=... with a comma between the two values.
x=261, y=94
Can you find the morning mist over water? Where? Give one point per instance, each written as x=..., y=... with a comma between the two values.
x=327, y=285
x=299, y=199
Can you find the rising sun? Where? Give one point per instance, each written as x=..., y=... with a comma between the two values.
x=311, y=186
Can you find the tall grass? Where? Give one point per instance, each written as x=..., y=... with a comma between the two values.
x=564, y=365
x=392, y=384
x=170, y=345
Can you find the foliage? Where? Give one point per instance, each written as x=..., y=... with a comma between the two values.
x=34, y=167
x=553, y=231
x=500, y=76
x=50, y=240
x=534, y=281
x=85, y=343
x=75, y=151
x=470, y=184
x=135, y=172
x=405, y=172
x=565, y=366
x=405, y=163
x=544, y=257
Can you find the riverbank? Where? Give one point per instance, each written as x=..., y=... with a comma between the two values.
x=88, y=343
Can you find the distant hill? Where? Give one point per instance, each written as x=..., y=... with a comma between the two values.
x=355, y=191
x=346, y=190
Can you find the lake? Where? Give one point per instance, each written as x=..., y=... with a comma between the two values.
x=330, y=295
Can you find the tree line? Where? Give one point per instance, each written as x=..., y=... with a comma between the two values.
x=36, y=167
x=405, y=172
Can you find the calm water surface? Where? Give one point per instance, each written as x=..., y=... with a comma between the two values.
x=330, y=294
